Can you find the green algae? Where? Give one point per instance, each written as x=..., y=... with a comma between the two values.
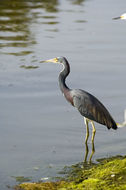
x=108, y=174
x=41, y=186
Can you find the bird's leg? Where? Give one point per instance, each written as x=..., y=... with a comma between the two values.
x=92, y=153
x=86, y=152
x=93, y=131
x=86, y=139
x=92, y=139
x=87, y=130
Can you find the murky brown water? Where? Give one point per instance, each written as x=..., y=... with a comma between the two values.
x=39, y=131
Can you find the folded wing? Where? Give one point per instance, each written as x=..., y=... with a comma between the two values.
x=91, y=108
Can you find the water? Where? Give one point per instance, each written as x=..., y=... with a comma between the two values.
x=39, y=131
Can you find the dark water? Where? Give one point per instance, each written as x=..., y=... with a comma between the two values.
x=39, y=131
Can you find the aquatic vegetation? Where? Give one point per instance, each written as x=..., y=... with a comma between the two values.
x=107, y=174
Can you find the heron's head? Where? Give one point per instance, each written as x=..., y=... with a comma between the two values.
x=59, y=60
x=123, y=17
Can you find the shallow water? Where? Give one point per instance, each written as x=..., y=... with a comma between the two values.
x=39, y=131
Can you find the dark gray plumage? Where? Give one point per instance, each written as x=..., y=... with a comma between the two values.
x=91, y=108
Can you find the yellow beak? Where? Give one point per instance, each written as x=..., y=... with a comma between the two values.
x=54, y=60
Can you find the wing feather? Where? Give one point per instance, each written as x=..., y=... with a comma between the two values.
x=91, y=108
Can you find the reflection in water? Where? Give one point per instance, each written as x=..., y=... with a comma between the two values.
x=77, y=2
x=29, y=67
x=50, y=22
x=87, y=151
x=86, y=139
x=15, y=18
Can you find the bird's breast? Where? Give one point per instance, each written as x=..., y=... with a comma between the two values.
x=68, y=96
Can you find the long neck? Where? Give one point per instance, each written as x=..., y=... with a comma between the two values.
x=62, y=76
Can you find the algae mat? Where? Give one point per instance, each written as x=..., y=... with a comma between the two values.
x=107, y=174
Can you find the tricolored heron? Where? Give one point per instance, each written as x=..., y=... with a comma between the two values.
x=88, y=105
x=123, y=17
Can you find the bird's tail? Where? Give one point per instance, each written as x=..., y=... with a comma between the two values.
x=114, y=125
